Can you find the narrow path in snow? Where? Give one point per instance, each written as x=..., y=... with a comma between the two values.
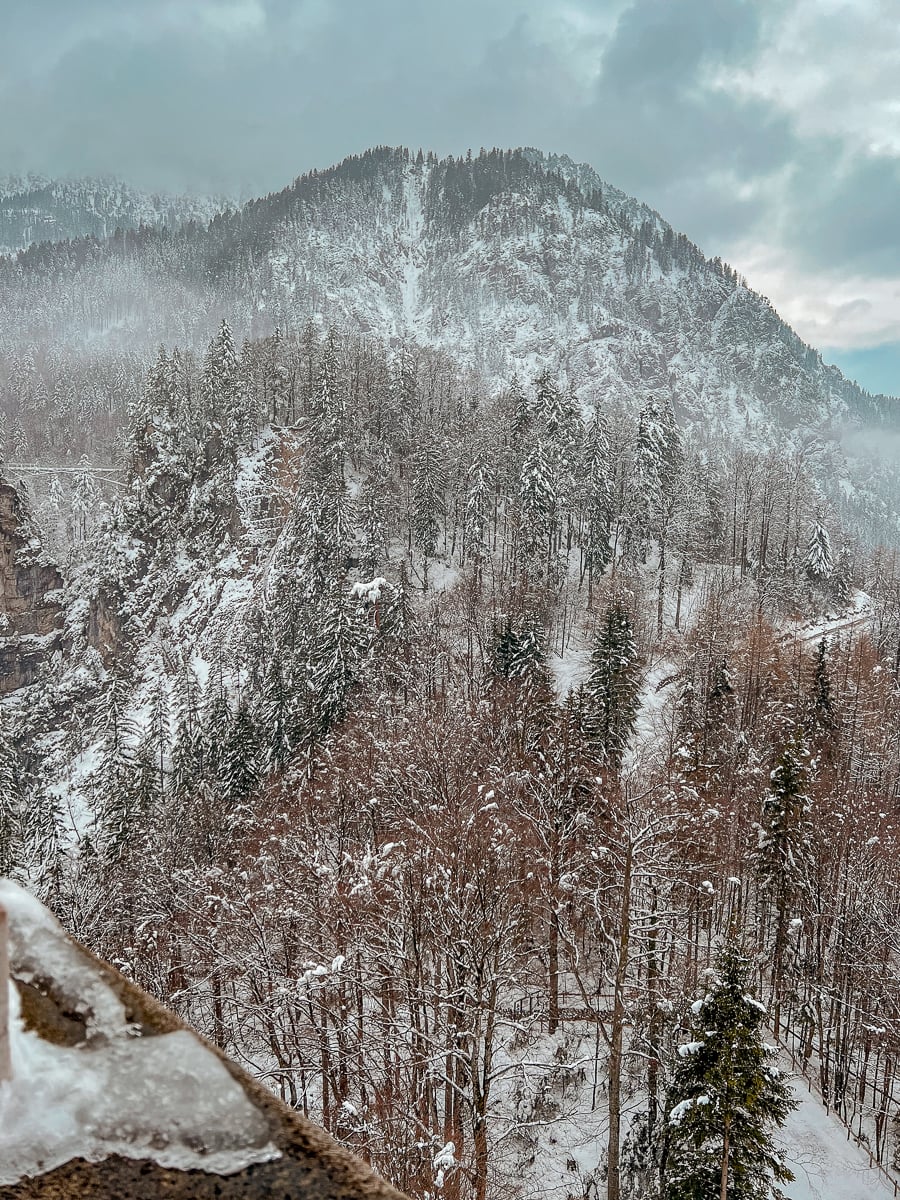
x=827, y=1166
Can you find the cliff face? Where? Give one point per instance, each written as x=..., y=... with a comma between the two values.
x=30, y=616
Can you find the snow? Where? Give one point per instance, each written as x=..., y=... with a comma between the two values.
x=40, y=949
x=678, y=1113
x=166, y=1097
x=827, y=1166
x=442, y=576
x=369, y=591
x=689, y=1048
x=857, y=614
x=570, y=670
x=444, y=1161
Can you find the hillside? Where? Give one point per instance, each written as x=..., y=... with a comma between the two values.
x=509, y=261
x=35, y=209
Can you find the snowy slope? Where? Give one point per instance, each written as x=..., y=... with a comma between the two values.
x=36, y=209
x=826, y=1165
x=510, y=261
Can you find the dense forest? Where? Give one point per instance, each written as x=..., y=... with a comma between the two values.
x=450, y=752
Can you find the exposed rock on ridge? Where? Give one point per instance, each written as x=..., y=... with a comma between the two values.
x=30, y=614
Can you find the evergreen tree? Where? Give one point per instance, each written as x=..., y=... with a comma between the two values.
x=518, y=651
x=537, y=498
x=820, y=719
x=521, y=409
x=276, y=717
x=520, y=678
x=596, y=501
x=239, y=772
x=187, y=755
x=116, y=780
x=719, y=717
x=396, y=632
x=334, y=656
x=159, y=733
x=11, y=816
x=429, y=483
x=727, y=1098
x=85, y=497
x=478, y=505
x=818, y=562
x=42, y=822
x=612, y=689
x=783, y=847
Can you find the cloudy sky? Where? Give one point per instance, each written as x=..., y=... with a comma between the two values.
x=767, y=130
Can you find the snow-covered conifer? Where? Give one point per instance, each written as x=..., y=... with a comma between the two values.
x=818, y=562
x=537, y=498
x=727, y=1097
x=612, y=688
x=11, y=815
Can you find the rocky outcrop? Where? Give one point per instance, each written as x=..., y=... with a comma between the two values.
x=30, y=615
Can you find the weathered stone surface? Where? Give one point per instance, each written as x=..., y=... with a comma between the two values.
x=104, y=630
x=311, y=1165
x=30, y=616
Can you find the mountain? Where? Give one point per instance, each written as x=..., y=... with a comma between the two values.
x=37, y=209
x=510, y=261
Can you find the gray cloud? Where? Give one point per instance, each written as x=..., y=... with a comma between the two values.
x=848, y=210
x=212, y=93
x=657, y=125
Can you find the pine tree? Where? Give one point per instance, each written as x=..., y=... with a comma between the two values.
x=276, y=718
x=612, y=689
x=11, y=816
x=116, y=779
x=187, y=755
x=238, y=770
x=85, y=497
x=520, y=679
x=783, y=847
x=334, y=655
x=159, y=733
x=478, y=505
x=429, y=482
x=42, y=822
x=657, y=461
x=596, y=501
x=727, y=1098
x=537, y=498
x=396, y=632
x=818, y=562
x=820, y=720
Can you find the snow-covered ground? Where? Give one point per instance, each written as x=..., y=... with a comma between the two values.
x=856, y=614
x=827, y=1166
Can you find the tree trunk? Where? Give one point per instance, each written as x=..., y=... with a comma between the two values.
x=653, y=1029
x=5, y=1062
x=553, y=973
x=617, y=1037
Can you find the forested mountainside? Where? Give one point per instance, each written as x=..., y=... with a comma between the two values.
x=420, y=740
x=36, y=209
x=419, y=677
x=506, y=260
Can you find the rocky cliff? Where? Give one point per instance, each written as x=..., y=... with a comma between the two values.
x=30, y=615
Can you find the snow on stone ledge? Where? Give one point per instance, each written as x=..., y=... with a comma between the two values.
x=163, y=1097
